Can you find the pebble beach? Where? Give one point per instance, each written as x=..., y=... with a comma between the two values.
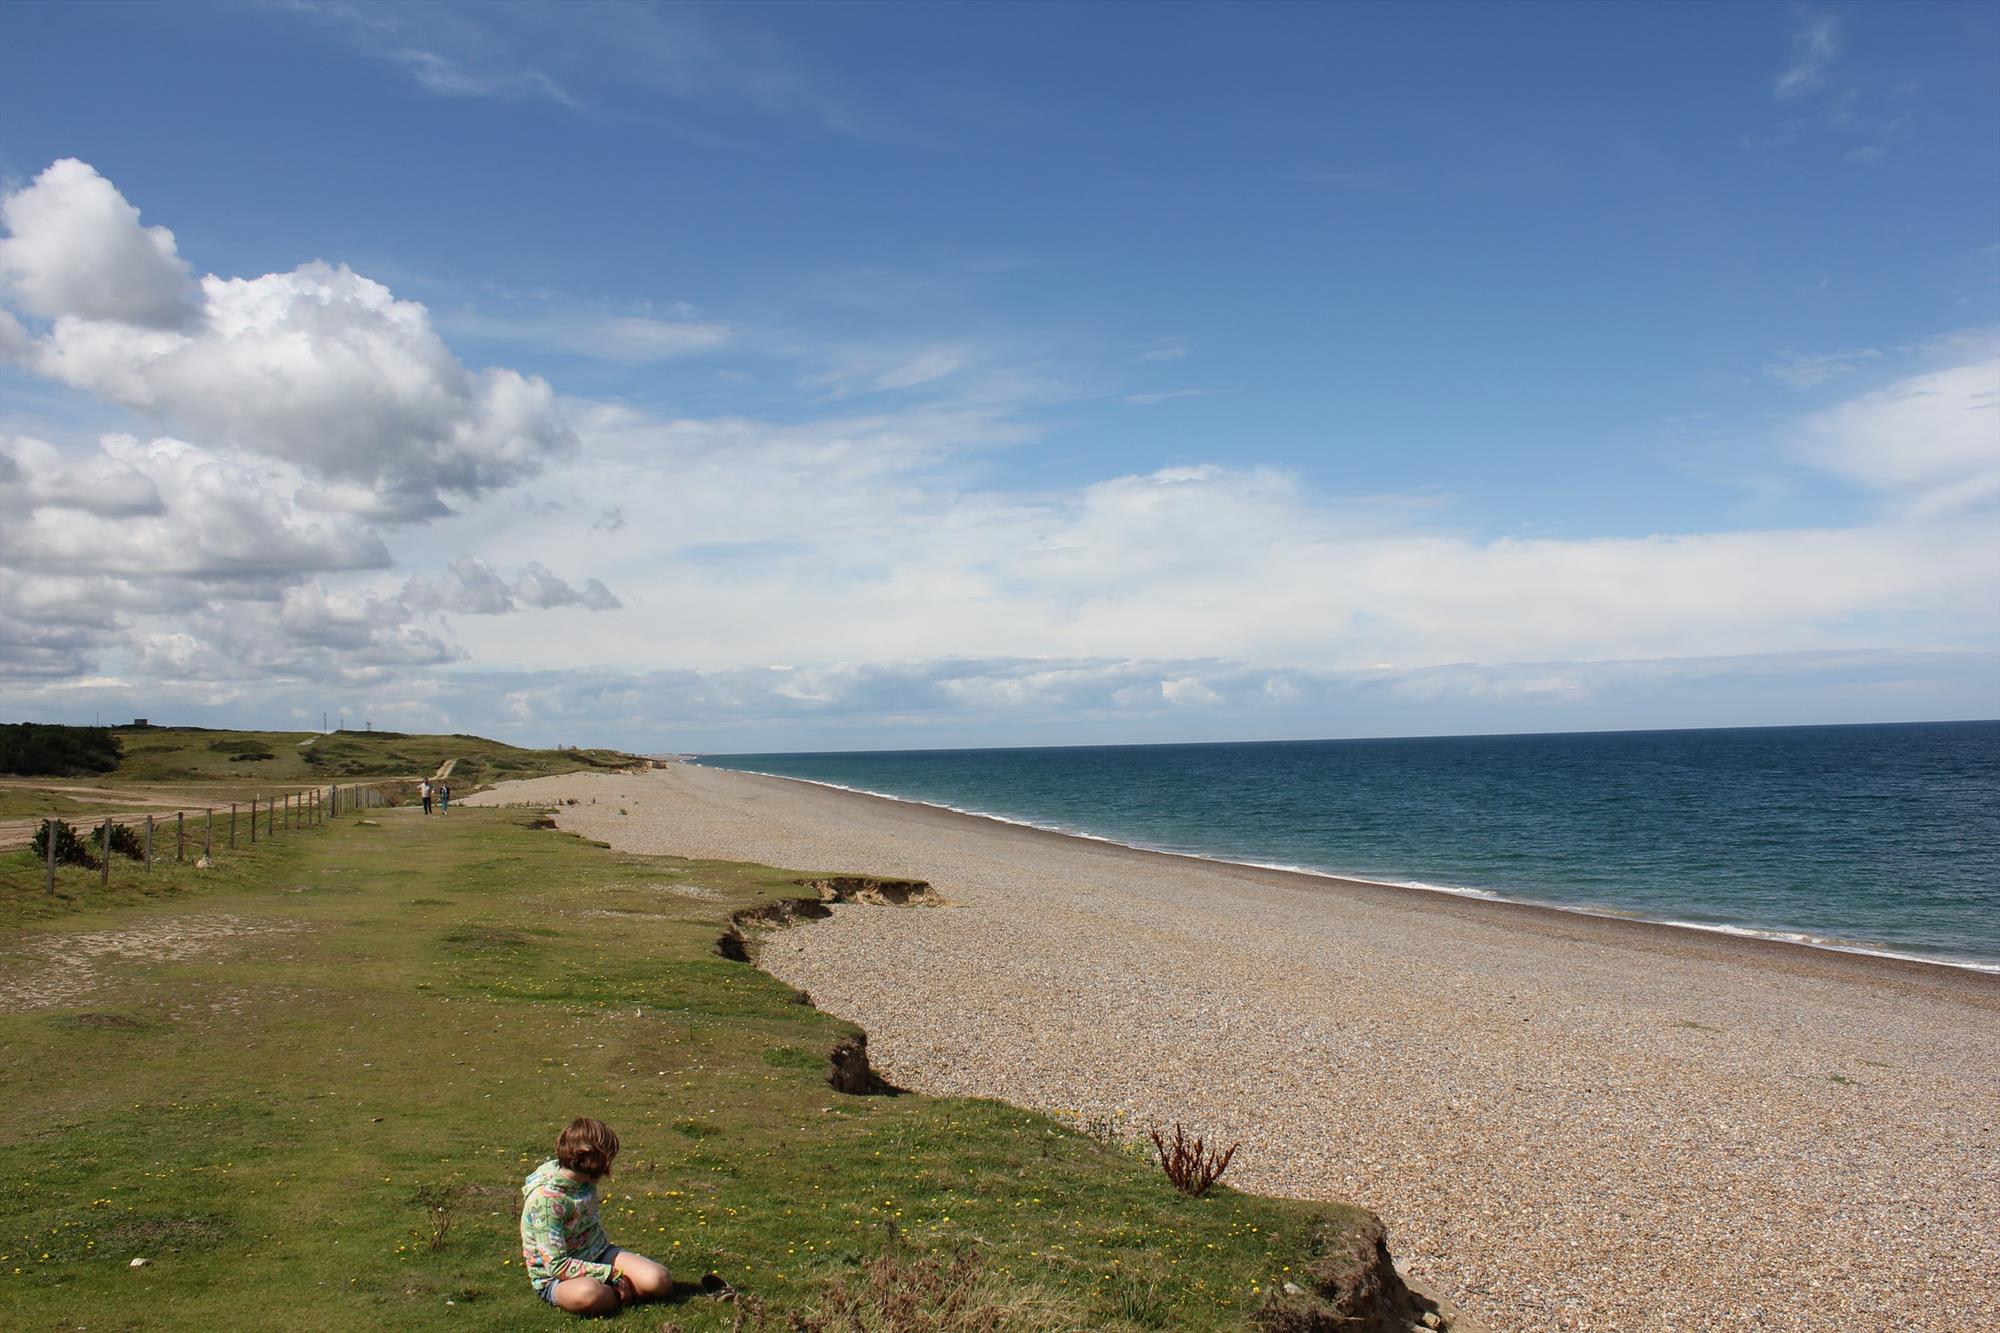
x=1567, y=1122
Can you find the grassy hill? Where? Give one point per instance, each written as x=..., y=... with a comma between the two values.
x=305, y=758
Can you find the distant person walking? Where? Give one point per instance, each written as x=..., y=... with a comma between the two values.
x=424, y=790
x=444, y=797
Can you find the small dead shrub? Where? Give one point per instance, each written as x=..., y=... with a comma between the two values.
x=436, y=1201
x=1190, y=1163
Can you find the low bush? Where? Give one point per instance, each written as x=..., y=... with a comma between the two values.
x=125, y=841
x=71, y=850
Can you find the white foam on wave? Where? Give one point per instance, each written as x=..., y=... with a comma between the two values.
x=1831, y=943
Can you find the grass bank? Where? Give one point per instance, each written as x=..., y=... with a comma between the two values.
x=179, y=754
x=305, y=1087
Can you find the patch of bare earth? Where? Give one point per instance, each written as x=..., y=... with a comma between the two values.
x=44, y=971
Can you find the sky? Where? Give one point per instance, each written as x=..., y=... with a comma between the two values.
x=827, y=376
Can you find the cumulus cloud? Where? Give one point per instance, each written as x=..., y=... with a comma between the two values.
x=164, y=509
x=309, y=636
x=319, y=367
x=537, y=587
x=101, y=552
x=76, y=248
x=470, y=587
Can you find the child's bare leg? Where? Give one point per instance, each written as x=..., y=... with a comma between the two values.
x=585, y=1295
x=649, y=1279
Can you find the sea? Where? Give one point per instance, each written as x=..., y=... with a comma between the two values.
x=1878, y=839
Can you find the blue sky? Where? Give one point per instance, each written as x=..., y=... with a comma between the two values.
x=829, y=375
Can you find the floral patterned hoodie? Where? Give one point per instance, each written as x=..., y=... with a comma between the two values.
x=560, y=1233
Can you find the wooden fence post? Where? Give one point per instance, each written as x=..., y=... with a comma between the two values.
x=149, y=842
x=253, y=821
x=232, y=826
x=104, y=866
x=49, y=837
x=208, y=835
x=180, y=835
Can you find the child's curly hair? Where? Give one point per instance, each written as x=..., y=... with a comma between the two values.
x=587, y=1147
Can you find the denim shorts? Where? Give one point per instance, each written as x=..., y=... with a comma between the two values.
x=610, y=1256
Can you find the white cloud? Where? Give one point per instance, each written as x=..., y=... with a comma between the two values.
x=1931, y=441
x=76, y=249
x=319, y=367
x=537, y=587
x=442, y=49
x=1809, y=371
x=470, y=587
x=1186, y=690
x=164, y=509
x=869, y=549
x=1150, y=399
x=1815, y=45
x=441, y=74
x=864, y=538
x=1818, y=90
x=862, y=369
x=623, y=339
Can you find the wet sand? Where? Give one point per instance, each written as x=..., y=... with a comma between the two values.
x=1568, y=1122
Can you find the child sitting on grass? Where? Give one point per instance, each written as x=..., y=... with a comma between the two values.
x=571, y=1262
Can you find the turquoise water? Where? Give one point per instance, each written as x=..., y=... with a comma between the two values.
x=1885, y=838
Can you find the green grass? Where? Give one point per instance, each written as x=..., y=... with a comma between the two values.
x=323, y=1123
x=280, y=758
x=35, y=803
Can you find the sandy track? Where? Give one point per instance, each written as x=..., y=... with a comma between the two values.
x=1567, y=1122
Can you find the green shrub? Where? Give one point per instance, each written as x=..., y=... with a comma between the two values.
x=36, y=749
x=71, y=850
x=125, y=841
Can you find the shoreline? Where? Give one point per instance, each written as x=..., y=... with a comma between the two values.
x=1568, y=1122
x=1749, y=934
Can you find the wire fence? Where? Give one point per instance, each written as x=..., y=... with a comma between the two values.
x=207, y=831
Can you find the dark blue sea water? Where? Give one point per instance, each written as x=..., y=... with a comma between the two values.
x=1885, y=838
